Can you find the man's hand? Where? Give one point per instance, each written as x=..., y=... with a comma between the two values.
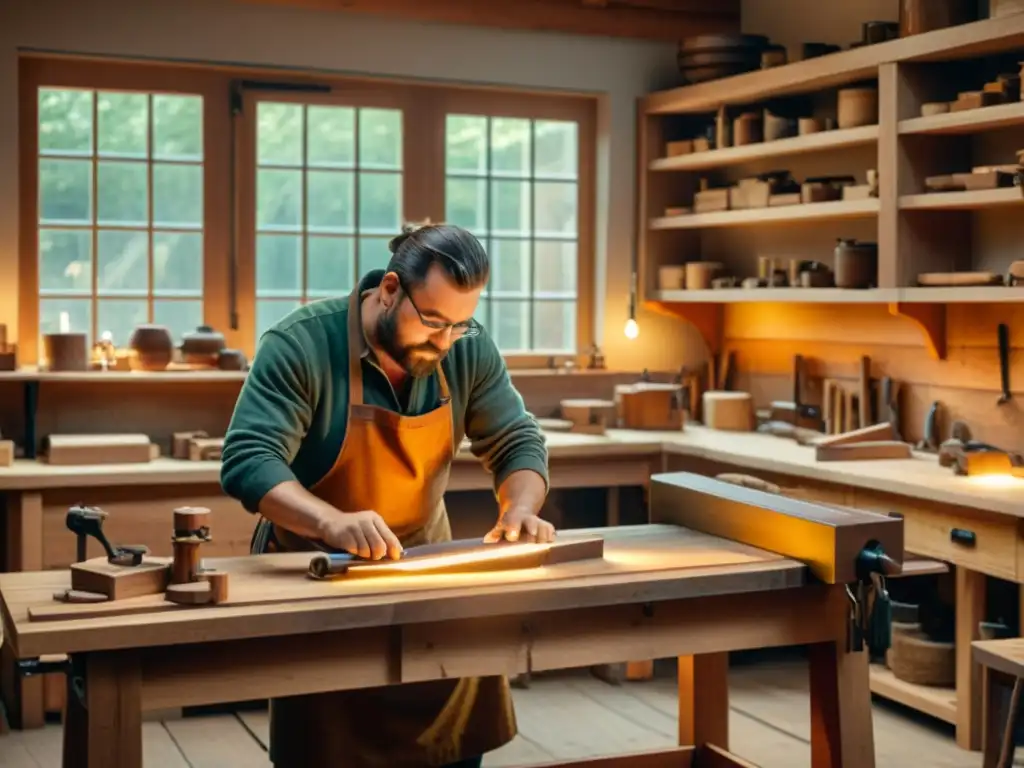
x=521, y=524
x=361, y=533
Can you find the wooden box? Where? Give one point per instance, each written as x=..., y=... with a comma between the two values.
x=650, y=406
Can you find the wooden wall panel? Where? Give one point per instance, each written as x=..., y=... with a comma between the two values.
x=832, y=339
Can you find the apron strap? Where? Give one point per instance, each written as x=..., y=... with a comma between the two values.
x=355, y=343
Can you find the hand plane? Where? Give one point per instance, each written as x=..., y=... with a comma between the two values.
x=88, y=521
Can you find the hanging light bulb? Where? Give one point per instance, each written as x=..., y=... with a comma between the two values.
x=632, y=330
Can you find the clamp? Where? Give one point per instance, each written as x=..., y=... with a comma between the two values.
x=86, y=521
x=870, y=620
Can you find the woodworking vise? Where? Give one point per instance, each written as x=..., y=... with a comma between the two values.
x=88, y=521
x=839, y=545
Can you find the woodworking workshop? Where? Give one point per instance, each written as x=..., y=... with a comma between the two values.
x=512, y=384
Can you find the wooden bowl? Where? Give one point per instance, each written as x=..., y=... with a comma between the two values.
x=152, y=346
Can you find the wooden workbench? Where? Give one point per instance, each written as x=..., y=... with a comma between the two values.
x=932, y=500
x=660, y=591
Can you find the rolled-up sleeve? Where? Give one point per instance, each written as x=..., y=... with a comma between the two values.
x=503, y=435
x=272, y=415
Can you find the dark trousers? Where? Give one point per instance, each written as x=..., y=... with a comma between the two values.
x=472, y=762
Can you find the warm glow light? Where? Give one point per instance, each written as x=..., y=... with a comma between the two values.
x=632, y=330
x=490, y=554
x=996, y=481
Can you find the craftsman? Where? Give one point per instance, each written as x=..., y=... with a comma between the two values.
x=343, y=436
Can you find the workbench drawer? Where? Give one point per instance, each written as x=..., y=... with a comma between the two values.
x=978, y=541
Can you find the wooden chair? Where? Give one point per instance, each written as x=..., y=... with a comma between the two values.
x=1003, y=664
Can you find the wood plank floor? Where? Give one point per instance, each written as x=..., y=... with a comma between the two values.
x=568, y=715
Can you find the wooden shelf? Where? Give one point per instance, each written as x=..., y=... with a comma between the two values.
x=962, y=201
x=971, y=121
x=772, y=295
x=123, y=377
x=840, y=209
x=939, y=703
x=987, y=294
x=980, y=38
x=796, y=145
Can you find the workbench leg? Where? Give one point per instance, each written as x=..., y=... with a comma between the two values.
x=842, y=734
x=996, y=687
x=111, y=723
x=970, y=611
x=704, y=700
x=23, y=532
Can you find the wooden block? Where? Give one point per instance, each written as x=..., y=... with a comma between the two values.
x=786, y=198
x=880, y=449
x=119, y=582
x=650, y=406
x=218, y=581
x=858, y=192
x=180, y=443
x=676, y=148
x=6, y=453
x=729, y=411
x=881, y=431
x=931, y=108
x=193, y=593
x=205, y=449
x=67, y=450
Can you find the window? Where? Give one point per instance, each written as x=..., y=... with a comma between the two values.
x=328, y=200
x=514, y=183
x=120, y=211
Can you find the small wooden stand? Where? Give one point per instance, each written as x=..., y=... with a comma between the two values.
x=190, y=584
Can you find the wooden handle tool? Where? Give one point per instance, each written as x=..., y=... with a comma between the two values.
x=865, y=392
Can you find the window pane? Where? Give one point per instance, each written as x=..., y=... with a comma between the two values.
x=329, y=195
x=78, y=311
x=483, y=313
x=511, y=325
x=279, y=200
x=178, y=195
x=510, y=147
x=123, y=128
x=558, y=319
x=122, y=265
x=65, y=261
x=554, y=267
x=510, y=208
x=554, y=206
x=180, y=317
x=122, y=193
x=466, y=144
x=510, y=268
x=380, y=203
x=278, y=266
x=555, y=149
x=380, y=138
x=269, y=312
x=177, y=264
x=331, y=138
x=279, y=133
x=177, y=127
x=373, y=254
x=466, y=204
x=331, y=266
x=120, y=317
x=65, y=191
x=65, y=121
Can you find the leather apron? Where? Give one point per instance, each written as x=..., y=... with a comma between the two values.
x=397, y=465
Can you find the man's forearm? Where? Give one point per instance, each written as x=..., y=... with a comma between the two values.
x=523, y=489
x=295, y=509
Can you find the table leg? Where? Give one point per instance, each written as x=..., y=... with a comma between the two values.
x=704, y=700
x=970, y=611
x=111, y=723
x=842, y=735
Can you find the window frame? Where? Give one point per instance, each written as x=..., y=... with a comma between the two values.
x=425, y=107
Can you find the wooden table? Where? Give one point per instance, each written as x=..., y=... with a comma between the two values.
x=1002, y=662
x=931, y=499
x=660, y=591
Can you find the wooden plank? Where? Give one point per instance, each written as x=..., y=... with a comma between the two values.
x=970, y=611
x=968, y=121
x=831, y=211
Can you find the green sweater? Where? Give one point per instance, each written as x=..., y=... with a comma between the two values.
x=289, y=421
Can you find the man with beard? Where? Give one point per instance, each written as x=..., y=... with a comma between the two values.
x=342, y=438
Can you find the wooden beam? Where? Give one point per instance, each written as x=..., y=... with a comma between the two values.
x=669, y=20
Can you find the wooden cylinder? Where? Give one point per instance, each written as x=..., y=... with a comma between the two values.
x=747, y=129
x=808, y=125
x=185, y=567
x=671, y=278
x=66, y=351
x=776, y=127
x=729, y=411
x=857, y=106
x=699, y=274
x=191, y=518
x=918, y=16
x=218, y=581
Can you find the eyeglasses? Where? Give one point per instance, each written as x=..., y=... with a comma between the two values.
x=465, y=329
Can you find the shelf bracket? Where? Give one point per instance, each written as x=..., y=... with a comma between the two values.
x=706, y=318
x=931, y=319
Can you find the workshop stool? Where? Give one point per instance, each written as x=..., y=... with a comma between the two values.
x=1003, y=665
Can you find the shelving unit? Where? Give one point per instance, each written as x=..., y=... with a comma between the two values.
x=916, y=231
